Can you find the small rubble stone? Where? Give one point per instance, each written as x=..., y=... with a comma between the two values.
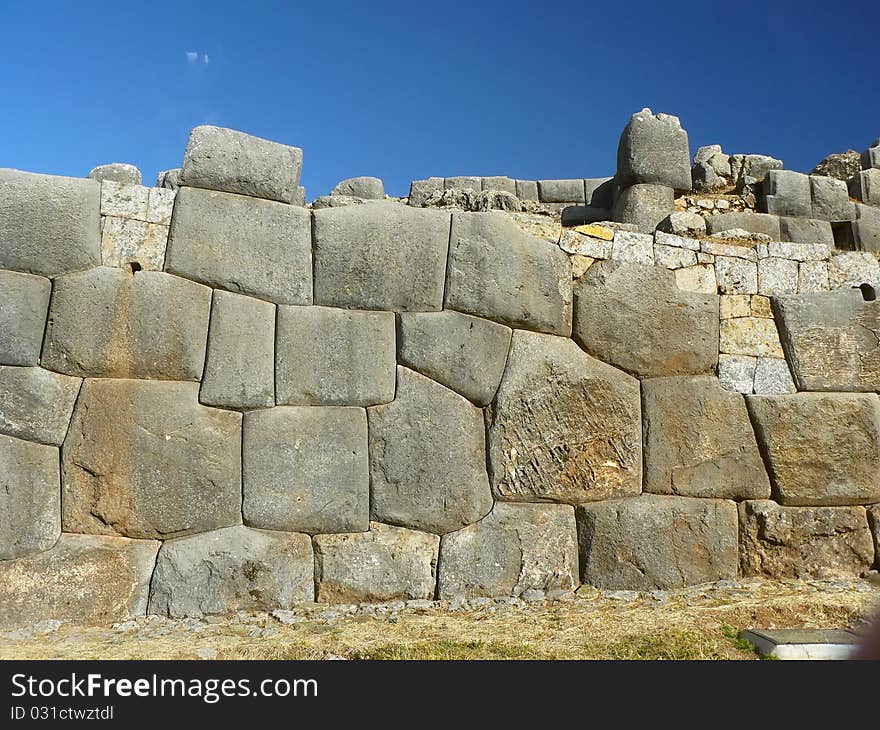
x=841, y=165
x=24, y=305
x=36, y=404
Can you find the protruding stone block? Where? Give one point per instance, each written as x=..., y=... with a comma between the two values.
x=561, y=191
x=36, y=404
x=644, y=205
x=169, y=179
x=654, y=149
x=599, y=192
x=806, y=231
x=420, y=190
x=24, y=303
x=871, y=157
x=118, y=172
x=830, y=199
x=369, y=188
x=751, y=222
x=865, y=186
x=788, y=193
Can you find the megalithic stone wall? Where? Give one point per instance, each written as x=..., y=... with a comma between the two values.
x=213, y=398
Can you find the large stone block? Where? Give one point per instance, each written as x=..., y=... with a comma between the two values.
x=368, y=188
x=563, y=427
x=82, y=579
x=636, y=318
x=327, y=356
x=561, y=191
x=232, y=569
x=527, y=190
x=515, y=548
x=830, y=199
x=806, y=231
x=145, y=459
x=384, y=564
x=820, y=448
x=421, y=190
x=865, y=186
x=499, y=272
x=751, y=222
x=463, y=182
x=788, y=193
x=36, y=404
x=240, y=364
x=871, y=156
x=657, y=542
x=654, y=149
x=121, y=173
x=644, y=206
x=235, y=162
x=464, y=353
x=24, y=303
x=111, y=323
x=803, y=542
x=306, y=469
x=699, y=441
x=599, y=192
x=427, y=458
x=49, y=225
x=134, y=244
x=500, y=182
x=248, y=246
x=381, y=256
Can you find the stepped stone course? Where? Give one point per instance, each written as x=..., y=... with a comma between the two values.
x=24, y=305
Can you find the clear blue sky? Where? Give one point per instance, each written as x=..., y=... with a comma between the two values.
x=411, y=89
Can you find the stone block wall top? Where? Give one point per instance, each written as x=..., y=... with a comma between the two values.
x=654, y=150
x=500, y=182
x=788, y=193
x=36, y=404
x=419, y=190
x=561, y=191
x=24, y=305
x=871, y=157
x=368, y=188
x=117, y=172
x=830, y=199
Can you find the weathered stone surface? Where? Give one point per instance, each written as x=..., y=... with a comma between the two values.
x=117, y=172
x=561, y=191
x=124, y=201
x=240, y=364
x=820, y=448
x=574, y=241
x=327, y=356
x=500, y=182
x=865, y=186
x=830, y=199
x=369, y=188
x=634, y=248
x=777, y=276
x=168, y=179
x=803, y=542
x=813, y=277
x=235, y=162
x=420, y=190
x=751, y=222
x=735, y=305
x=700, y=279
x=636, y=318
x=672, y=257
x=749, y=336
x=248, y=246
x=657, y=542
x=699, y=441
x=737, y=372
x=654, y=149
x=110, y=323
x=463, y=182
x=515, y=548
x=306, y=469
x=871, y=156
x=853, y=268
x=563, y=427
x=772, y=377
x=644, y=205
x=383, y=564
x=24, y=303
x=145, y=459
x=232, y=569
x=681, y=223
x=806, y=231
x=840, y=165
x=527, y=190
x=132, y=243
x=788, y=193
x=749, y=169
x=83, y=578
x=464, y=353
x=499, y=272
x=365, y=256
x=736, y=275
x=874, y=524
x=36, y=404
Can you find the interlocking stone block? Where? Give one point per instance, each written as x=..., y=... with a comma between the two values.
x=599, y=192
x=24, y=303
x=419, y=190
x=830, y=199
x=853, y=268
x=871, y=156
x=500, y=182
x=561, y=191
x=415, y=479
x=788, y=193
x=110, y=323
x=245, y=245
x=124, y=201
x=700, y=279
x=131, y=243
x=737, y=372
x=800, y=251
x=635, y=248
x=499, y=272
x=145, y=459
x=48, y=225
x=813, y=277
x=806, y=231
x=654, y=149
x=865, y=186
x=772, y=377
x=36, y=404
x=327, y=356
x=463, y=182
x=644, y=205
x=232, y=569
x=777, y=276
x=751, y=222
x=563, y=427
x=749, y=336
x=527, y=190
x=160, y=206
x=121, y=173
x=369, y=188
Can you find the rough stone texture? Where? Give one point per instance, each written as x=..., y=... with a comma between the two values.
x=751, y=222
x=36, y=404
x=681, y=223
x=499, y=272
x=235, y=162
x=874, y=523
x=737, y=372
x=169, y=179
x=383, y=564
x=736, y=276
x=654, y=149
x=242, y=244
x=830, y=199
x=109, y=323
x=806, y=231
x=871, y=156
x=527, y=190
x=699, y=441
x=83, y=578
x=144, y=459
x=563, y=427
x=327, y=356
x=865, y=186
x=515, y=548
x=772, y=377
x=365, y=257
x=427, y=458
x=500, y=182
x=820, y=448
x=644, y=205
x=813, y=277
x=788, y=193
x=464, y=353
x=561, y=191
x=125, y=242
x=749, y=169
x=634, y=248
x=840, y=165
x=232, y=569
x=420, y=190
x=803, y=542
x=306, y=469
x=117, y=172
x=636, y=318
x=853, y=268
x=653, y=542
x=24, y=303
x=463, y=182
x=30, y=501
x=777, y=276
x=699, y=279
x=125, y=201
x=369, y=188
x=750, y=336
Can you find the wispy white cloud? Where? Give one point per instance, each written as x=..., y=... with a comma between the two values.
x=206, y=59
x=192, y=56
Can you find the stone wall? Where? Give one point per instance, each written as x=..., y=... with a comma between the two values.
x=213, y=398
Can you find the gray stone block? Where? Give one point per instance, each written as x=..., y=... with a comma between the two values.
x=874, y=524
x=169, y=179
x=653, y=542
x=49, y=225
x=500, y=182
x=871, y=157
x=527, y=190
x=636, y=318
x=24, y=304
x=865, y=186
x=109, y=323
x=563, y=427
x=327, y=356
x=499, y=272
x=599, y=192
x=752, y=222
x=747, y=169
x=235, y=162
x=420, y=190
x=118, y=172
x=36, y=404
x=644, y=205
x=515, y=548
x=369, y=188
x=654, y=150
x=306, y=469
x=561, y=191
x=578, y=215
x=805, y=230
x=245, y=245
x=464, y=353
x=240, y=363
x=788, y=193
x=463, y=182
x=414, y=481
x=384, y=564
x=381, y=256
x=232, y=569
x=830, y=199
x=145, y=459
x=684, y=224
